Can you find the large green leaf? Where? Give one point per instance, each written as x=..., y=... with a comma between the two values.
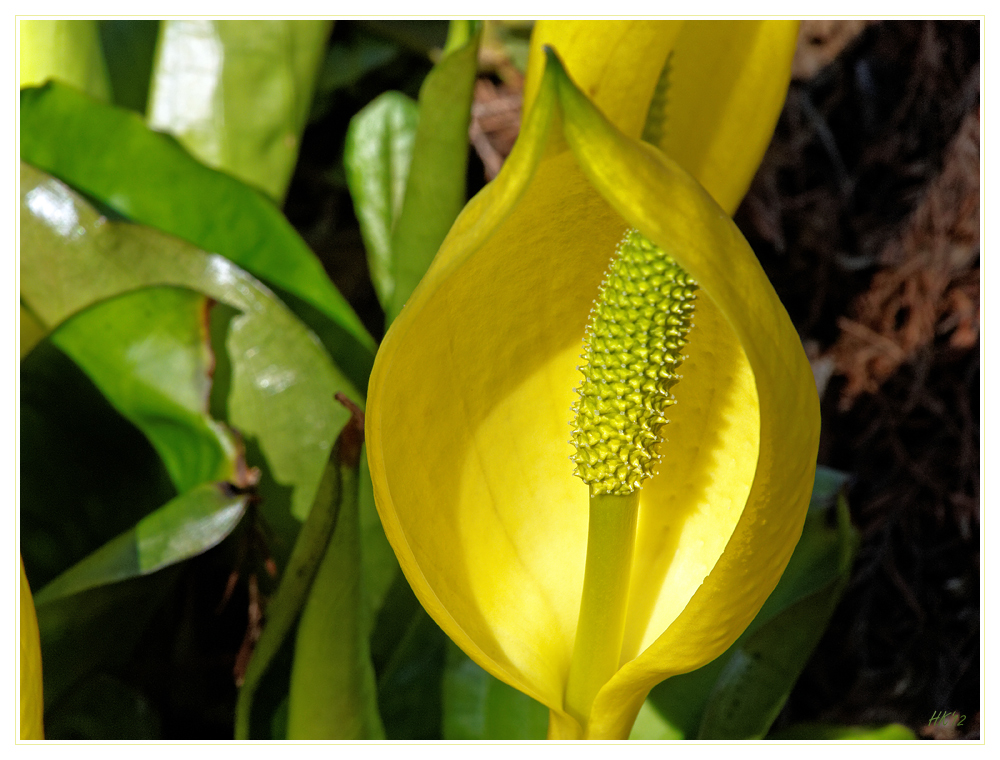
x=377, y=154
x=332, y=688
x=236, y=94
x=148, y=353
x=288, y=600
x=129, y=45
x=102, y=707
x=98, y=627
x=379, y=566
x=68, y=51
x=478, y=706
x=738, y=695
x=86, y=473
x=435, y=187
x=408, y=651
x=283, y=382
x=147, y=177
x=182, y=528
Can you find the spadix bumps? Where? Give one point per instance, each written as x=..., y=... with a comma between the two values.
x=637, y=331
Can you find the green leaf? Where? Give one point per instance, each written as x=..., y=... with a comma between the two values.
x=435, y=187
x=347, y=61
x=147, y=177
x=68, y=51
x=129, y=45
x=824, y=732
x=182, y=528
x=236, y=94
x=283, y=382
x=98, y=627
x=377, y=154
x=102, y=707
x=31, y=332
x=148, y=352
x=379, y=566
x=332, y=689
x=738, y=695
x=650, y=725
x=478, y=706
x=408, y=650
x=86, y=474
x=283, y=610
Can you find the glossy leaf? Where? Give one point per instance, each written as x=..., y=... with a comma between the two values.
x=478, y=706
x=377, y=153
x=87, y=474
x=283, y=382
x=66, y=50
x=148, y=353
x=182, y=528
x=236, y=94
x=435, y=187
x=332, y=688
x=147, y=177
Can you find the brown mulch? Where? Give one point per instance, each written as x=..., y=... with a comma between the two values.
x=865, y=214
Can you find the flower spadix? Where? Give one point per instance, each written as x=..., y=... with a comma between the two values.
x=472, y=391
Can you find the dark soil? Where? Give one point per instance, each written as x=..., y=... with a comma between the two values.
x=865, y=215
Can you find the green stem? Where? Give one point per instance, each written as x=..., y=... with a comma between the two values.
x=601, y=628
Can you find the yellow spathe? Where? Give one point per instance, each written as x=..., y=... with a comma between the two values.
x=31, y=666
x=469, y=412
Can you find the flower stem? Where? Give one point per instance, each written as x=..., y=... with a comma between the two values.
x=599, y=632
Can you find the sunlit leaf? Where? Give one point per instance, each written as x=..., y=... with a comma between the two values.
x=332, y=688
x=148, y=352
x=147, y=177
x=435, y=187
x=283, y=382
x=237, y=93
x=377, y=154
x=182, y=528
x=87, y=474
x=68, y=51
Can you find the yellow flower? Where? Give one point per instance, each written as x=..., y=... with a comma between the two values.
x=470, y=398
x=31, y=666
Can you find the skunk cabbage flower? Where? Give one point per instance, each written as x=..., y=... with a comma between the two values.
x=472, y=392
